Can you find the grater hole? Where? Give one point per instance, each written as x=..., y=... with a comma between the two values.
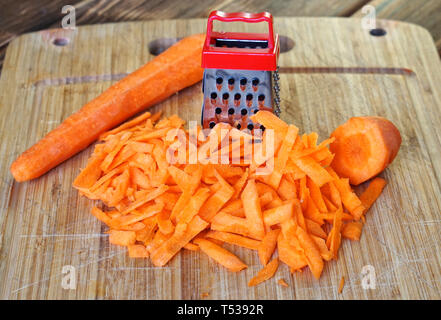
x=249, y=97
x=255, y=82
x=261, y=97
x=231, y=111
x=219, y=80
x=262, y=127
x=250, y=126
x=212, y=124
x=238, y=126
x=255, y=111
x=243, y=81
x=218, y=110
x=213, y=95
x=244, y=112
x=231, y=81
x=225, y=96
x=237, y=96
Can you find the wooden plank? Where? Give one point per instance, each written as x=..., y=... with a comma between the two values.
x=25, y=16
x=426, y=13
x=18, y=17
x=45, y=225
x=29, y=15
x=114, y=10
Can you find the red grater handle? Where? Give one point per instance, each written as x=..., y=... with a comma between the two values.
x=242, y=17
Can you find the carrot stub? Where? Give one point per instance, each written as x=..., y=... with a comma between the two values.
x=363, y=147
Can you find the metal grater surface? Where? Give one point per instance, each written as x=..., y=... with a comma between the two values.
x=241, y=75
x=232, y=96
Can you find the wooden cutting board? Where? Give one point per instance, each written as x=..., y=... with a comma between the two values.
x=335, y=70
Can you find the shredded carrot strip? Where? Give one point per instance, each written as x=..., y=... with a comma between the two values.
x=234, y=239
x=278, y=214
x=266, y=273
x=164, y=223
x=220, y=255
x=194, y=205
x=183, y=234
x=293, y=256
x=312, y=212
x=156, y=207
x=334, y=237
x=145, y=213
x=158, y=239
x=312, y=253
x=100, y=215
x=148, y=197
x=253, y=212
x=283, y=283
x=143, y=117
x=122, y=238
x=325, y=253
x=240, y=184
x=349, y=198
x=315, y=229
x=352, y=230
x=267, y=246
x=287, y=189
x=229, y=223
x=192, y=247
x=341, y=285
x=282, y=156
x=372, y=192
x=313, y=170
x=137, y=251
x=316, y=196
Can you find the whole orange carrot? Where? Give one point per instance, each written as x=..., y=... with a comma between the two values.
x=174, y=69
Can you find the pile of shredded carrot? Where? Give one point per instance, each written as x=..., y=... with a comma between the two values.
x=156, y=208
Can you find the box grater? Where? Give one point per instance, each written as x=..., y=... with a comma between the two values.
x=240, y=72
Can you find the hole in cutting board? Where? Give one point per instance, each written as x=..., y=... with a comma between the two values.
x=61, y=42
x=286, y=43
x=158, y=46
x=378, y=32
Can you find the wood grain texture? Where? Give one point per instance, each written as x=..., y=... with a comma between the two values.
x=335, y=70
x=425, y=13
x=30, y=15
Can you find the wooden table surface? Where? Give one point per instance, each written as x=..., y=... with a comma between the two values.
x=335, y=70
x=18, y=17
